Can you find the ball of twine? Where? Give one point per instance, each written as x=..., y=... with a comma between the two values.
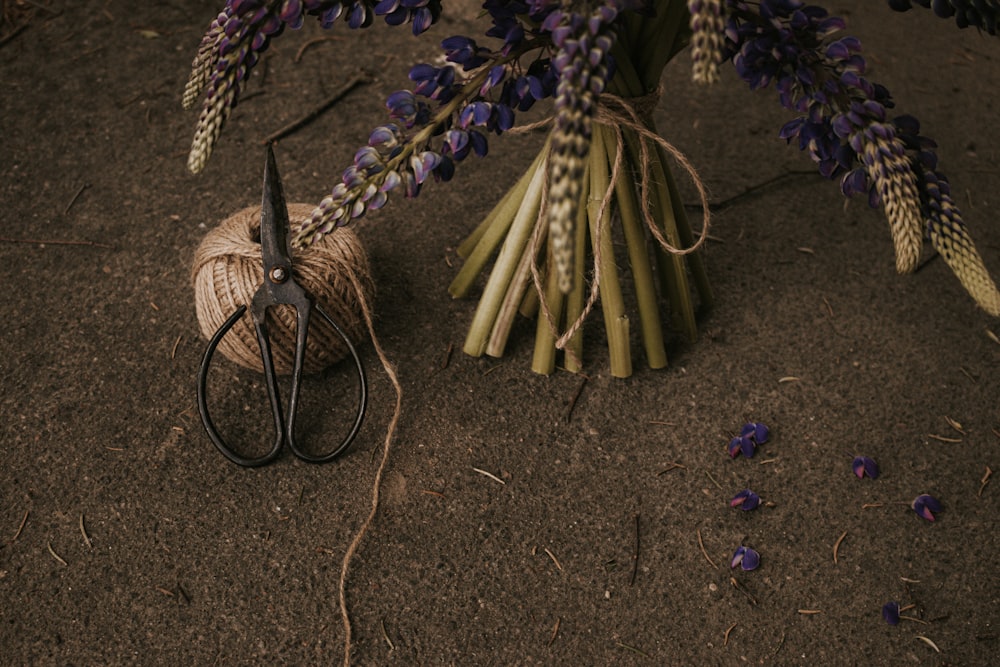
x=228, y=271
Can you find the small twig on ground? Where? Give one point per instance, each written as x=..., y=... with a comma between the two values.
x=704, y=553
x=810, y=612
x=13, y=33
x=836, y=546
x=38, y=5
x=385, y=635
x=576, y=397
x=673, y=465
x=95, y=244
x=927, y=261
x=633, y=649
x=184, y=594
x=164, y=591
x=83, y=531
x=313, y=42
x=55, y=555
x=447, y=356
x=20, y=527
x=554, y=560
x=312, y=115
x=177, y=343
x=781, y=642
x=719, y=486
x=725, y=637
x=752, y=191
x=954, y=424
x=635, y=555
x=927, y=641
x=555, y=631
x=941, y=438
x=984, y=481
x=75, y=197
x=490, y=475
x=738, y=586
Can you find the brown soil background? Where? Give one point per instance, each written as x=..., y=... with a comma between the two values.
x=195, y=561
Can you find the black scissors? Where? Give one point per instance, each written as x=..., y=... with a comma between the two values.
x=279, y=287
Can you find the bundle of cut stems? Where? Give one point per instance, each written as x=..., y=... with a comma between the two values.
x=627, y=181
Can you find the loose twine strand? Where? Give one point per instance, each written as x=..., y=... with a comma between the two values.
x=616, y=112
x=336, y=272
x=352, y=548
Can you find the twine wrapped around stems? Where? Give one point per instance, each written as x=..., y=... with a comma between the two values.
x=615, y=113
x=227, y=271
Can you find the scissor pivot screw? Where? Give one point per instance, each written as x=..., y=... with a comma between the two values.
x=279, y=274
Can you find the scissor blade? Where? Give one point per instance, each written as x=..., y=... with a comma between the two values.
x=274, y=225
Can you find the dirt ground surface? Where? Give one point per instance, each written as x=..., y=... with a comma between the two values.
x=126, y=538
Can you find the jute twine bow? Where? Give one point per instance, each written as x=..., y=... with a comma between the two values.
x=616, y=112
x=335, y=271
x=227, y=272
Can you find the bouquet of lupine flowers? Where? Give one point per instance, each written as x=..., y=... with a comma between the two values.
x=600, y=62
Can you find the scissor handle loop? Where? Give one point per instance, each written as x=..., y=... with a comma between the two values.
x=284, y=423
x=303, y=326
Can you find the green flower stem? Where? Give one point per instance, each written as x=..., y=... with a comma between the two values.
x=544, y=359
x=696, y=263
x=657, y=41
x=481, y=244
x=529, y=304
x=612, y=303
x=672, y=270
x=638, y=253
x=626, y=82
x=515, y=294
x=577, y=297
x=506, y=264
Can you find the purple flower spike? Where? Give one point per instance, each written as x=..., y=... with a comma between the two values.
x=746, y=500
x=746, y=558
x=925, y=506
x=865, y=466
x=890, y=612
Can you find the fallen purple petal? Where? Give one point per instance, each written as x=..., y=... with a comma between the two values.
x=746, y=558
x=758, y=431
x=925, y=506
x=865, y=466
x=746, y=500
x=890, y=612
x=735, y=445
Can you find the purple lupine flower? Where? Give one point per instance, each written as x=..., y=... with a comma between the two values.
x=926, y=506
x=890, y=612
x=463, y=51
x=582, y=63
x=746, y=500
x=707, y=39
x=242, y=31
x=746, y=558
x=863, y=465
x=477, y=94
x=842, y=122
x=982, y=14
